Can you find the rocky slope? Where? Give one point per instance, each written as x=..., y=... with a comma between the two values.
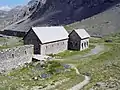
x=57, y=12
x=101, y=24
x=16, y=14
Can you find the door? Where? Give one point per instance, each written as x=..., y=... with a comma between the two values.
x=37, y=49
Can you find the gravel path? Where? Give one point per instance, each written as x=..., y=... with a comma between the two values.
x=94, y=51
x=81, y=84
x=98, y=49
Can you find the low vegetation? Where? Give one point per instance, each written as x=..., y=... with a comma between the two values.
x=8, y=42
x=35, y=74
x=103, y=67
x=69, y=53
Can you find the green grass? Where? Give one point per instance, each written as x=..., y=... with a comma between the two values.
x=9, y=42
x=23, y=78
x=74, y=79
x=96, y=40
x=69, y=53
x=101, y=67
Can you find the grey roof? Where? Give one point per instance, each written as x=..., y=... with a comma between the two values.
x=82, y=33
x=50, y=34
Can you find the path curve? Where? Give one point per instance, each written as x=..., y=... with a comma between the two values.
x=81, y=84
x=94, y=51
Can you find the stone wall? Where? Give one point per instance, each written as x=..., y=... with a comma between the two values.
x=15, y=57
x=54, y=47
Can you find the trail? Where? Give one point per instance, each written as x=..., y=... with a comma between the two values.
x=81, y=84
x=98, y=49
x=94, y=51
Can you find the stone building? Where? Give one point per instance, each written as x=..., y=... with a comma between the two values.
x=47, y=40
x=78, y=40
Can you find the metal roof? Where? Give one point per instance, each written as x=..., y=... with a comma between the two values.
x=50, y=34
x=82, y=33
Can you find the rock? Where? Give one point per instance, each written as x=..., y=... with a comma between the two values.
x=52, y=13
x=100, y=84
x=35, y=78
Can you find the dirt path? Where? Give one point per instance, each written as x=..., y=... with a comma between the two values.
x=98, y=49
x=81, y=84
x=94, y=51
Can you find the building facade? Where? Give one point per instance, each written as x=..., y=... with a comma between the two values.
x=78, y=40
x=47, y=40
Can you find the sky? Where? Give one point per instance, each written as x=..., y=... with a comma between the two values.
x=7, y=4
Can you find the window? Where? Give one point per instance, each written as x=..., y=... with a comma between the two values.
x=85, y=44
x=25, y=52
x=12, y=55
x=63, y=42
x=82, y=45
x=76, y=44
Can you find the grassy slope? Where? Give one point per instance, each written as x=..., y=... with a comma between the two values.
x=69, y=53
x=23, y=78
x=8, y=42
x=101, y=67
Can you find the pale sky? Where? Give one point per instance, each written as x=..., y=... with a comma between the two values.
x=13, y=2
x=7, y=4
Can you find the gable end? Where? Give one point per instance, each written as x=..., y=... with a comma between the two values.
x=31, y=31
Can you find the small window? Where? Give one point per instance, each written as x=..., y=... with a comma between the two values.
x=87, y=43
x=76, y=44
x=57, y=43
x=71, y=43
x=82, y=45
x=46, y=47
x=63, y=42
x=25, y=52
x=12, y=55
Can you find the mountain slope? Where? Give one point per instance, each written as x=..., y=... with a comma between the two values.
x=59, y=12
x=17, y=13
x=101, y=24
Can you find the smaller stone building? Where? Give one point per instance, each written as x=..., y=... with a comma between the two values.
x=47, y=40
x=78, y=40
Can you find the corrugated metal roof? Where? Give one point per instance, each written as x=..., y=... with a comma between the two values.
x=50, y=34
x=82, y=33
